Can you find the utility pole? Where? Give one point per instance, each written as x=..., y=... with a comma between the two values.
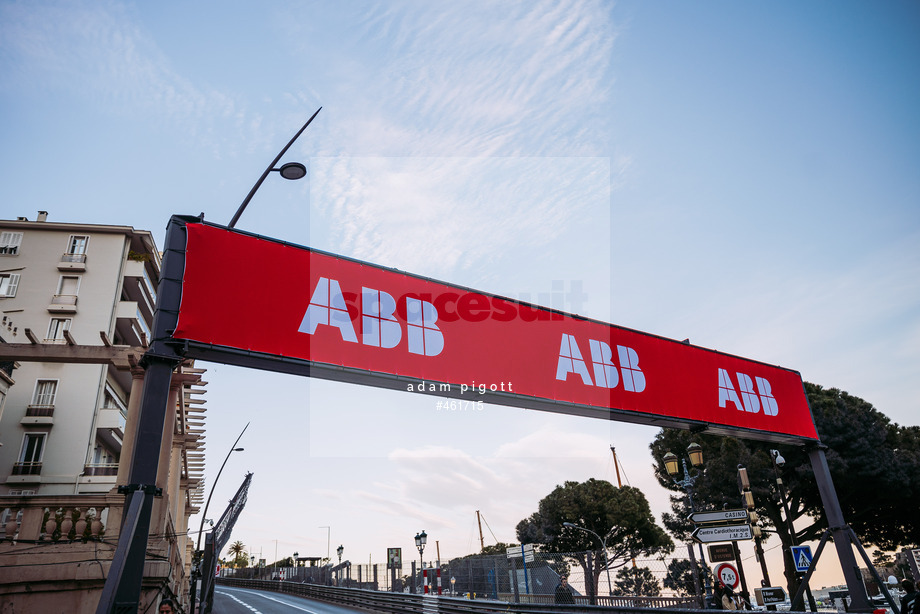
x=482, y=542
x=616, y=466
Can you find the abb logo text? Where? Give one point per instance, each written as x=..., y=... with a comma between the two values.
x=605, y=371
x=379, y=326
x=751, y=400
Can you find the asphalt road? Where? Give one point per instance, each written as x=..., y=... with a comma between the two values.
x=231, y=600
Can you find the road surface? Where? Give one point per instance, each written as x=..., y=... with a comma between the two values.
x=232, y=600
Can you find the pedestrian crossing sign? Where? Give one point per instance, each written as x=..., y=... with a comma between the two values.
x=801, y=556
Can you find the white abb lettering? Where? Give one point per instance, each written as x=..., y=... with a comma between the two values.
x=751, y=399
x=605, y=371
x=379, y=326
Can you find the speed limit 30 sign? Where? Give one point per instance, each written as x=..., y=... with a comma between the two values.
x=728, y=574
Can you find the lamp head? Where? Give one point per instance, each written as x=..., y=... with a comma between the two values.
x=292, y=170
x=778, y=458
x=743, y=479
x=695, y=451
x=670, y=463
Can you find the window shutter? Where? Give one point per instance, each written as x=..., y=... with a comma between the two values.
x=13, y=284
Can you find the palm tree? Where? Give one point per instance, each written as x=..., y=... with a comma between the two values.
x=238, y=550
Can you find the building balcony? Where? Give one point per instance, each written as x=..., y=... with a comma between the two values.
x=72, y=262
x=138, y=286
x=63, y=303
x=96, y=469
x=130, y=324
x=38, y=415
x=27, y=469
x=110, y=427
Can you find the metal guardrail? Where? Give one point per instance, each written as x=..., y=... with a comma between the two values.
x=406, y=603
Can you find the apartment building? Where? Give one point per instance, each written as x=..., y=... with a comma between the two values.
x=77, y=304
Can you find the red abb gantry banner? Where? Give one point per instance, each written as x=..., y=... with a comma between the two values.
x=274, y=299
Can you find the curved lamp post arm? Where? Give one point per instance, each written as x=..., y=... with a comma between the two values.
x=271, y=167
x=204, y=514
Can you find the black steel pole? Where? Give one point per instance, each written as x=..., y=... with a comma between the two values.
x=840, y=531
x=744, y=587
x=122, y=589
x=706, y=583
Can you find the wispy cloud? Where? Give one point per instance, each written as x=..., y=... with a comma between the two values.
x=481, y=78
x=439, y=215
x=475, y=113
x=97, y=54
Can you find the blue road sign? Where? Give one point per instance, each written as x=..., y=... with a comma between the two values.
x=801, y=556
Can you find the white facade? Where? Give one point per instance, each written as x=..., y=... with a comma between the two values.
x=76, y=309
x=63, y=425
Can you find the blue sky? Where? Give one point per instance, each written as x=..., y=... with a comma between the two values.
x=746, y=175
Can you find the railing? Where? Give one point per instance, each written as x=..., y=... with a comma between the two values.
x=38, y=518
x=78, y=258
x=64, y=299
x=402, y=603
x=611, y=601
x=27, y=469
x=100, y=469
x=40, y=410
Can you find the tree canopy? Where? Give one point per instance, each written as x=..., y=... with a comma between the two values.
x=620, y=516
x=875, y=466
x=636, y=581
x=238, y=551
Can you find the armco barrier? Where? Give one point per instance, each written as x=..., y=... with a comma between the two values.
x=405, y=603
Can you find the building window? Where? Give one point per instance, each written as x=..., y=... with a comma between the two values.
x=110, y=400
x=57, y=327
x=8, y=284
x=142, y=324
x=69, y=285
x=67, y=290
x=77, y=245
x=9, y=243
x=30, y=458
x=45, y=391
x=103, y=456
x=151, y=287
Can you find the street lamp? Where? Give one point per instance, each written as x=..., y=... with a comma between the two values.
x=420, y=540
x=196, y=572
x=339, y=551
x=671, y=465
x=291, y=170
x=603, y=544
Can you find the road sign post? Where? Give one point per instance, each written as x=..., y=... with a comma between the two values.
x=734, y=532
x=721, y=553
x=719, y=516
x=728, y=574
x=770, y=595
x=801, y=556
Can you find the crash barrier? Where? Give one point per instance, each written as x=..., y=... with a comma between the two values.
x=406, y=603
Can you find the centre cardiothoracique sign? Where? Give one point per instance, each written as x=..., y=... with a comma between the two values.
x=271, y=299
